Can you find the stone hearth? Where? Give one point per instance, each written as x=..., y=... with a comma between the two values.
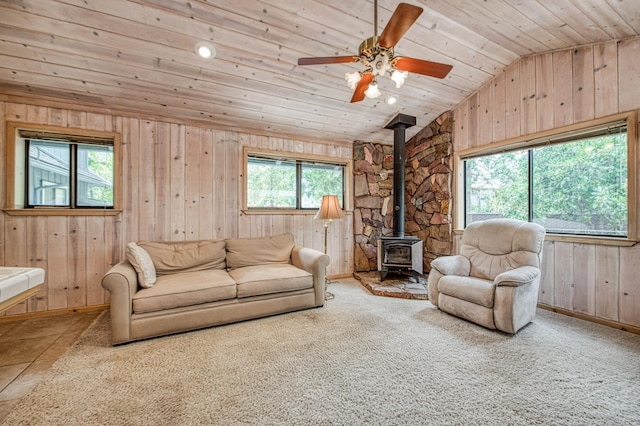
x=402, y=287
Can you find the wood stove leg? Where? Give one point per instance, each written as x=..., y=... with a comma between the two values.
x=383, y=274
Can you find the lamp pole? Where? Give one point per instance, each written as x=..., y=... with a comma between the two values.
x=329, y=209
x=326, y=230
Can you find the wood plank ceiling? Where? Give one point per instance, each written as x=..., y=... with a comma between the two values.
x=137, y=56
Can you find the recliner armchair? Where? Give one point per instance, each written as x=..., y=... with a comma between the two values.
x=494, y=280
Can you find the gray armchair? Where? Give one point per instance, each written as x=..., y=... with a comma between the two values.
x=494, y=280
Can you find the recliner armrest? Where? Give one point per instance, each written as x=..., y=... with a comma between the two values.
x=452, y=265
x=517, y=277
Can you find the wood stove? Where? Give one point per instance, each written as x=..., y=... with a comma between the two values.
x=399, y=253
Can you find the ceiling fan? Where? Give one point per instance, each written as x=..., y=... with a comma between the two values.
x=376, y=53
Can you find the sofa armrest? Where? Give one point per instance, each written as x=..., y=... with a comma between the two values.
x=452, y=265
x=314, y=262
x=517, y=277
x=122, y=283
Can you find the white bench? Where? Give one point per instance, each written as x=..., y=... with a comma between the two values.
x=18, y=284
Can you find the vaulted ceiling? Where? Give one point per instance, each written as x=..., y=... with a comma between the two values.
x=137, y=56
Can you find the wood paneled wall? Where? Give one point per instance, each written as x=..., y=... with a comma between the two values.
x=180, y=182
x=546, y=91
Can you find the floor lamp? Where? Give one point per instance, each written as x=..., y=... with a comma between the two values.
x=329, y=210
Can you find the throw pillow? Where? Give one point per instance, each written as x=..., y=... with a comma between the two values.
x=142, y=263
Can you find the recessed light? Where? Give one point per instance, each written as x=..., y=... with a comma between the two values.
x=390, y=100
x=205, y=50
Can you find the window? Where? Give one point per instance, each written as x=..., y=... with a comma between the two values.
x=276, y=183
x=53, y=171
x=271, y=183
x=72, y=175
x=575, y=183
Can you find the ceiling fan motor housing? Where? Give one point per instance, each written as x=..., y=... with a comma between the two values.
x=370, y=49
x=378, y=58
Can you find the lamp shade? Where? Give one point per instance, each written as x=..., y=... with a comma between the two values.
x=330, y=208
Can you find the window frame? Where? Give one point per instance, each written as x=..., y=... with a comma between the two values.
x=16, y=204
x=536, y=139
x=294, y=157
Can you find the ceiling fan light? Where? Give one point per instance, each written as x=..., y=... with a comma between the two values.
x=372, y=92
x=352, y=79
x=399, y=77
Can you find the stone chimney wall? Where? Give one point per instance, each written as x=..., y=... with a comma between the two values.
x=428, y=178
x=373, y=203
x=428, y=183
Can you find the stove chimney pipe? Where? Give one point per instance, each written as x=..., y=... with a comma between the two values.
x=399, y=123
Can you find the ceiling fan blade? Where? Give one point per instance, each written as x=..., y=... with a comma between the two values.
x=363, y=84
x=418, y=66
x=403, y=17
x=327, y=60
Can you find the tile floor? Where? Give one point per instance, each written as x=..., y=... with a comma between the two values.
x=28, y=347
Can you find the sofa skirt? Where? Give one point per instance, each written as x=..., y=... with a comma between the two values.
x=177, y=320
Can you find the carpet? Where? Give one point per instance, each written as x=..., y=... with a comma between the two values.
x=361, y=359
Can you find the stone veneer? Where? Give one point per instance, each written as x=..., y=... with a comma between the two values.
x=428, y=180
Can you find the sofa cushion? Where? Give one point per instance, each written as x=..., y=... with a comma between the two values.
x=475, y=290
x=141, y=261
x=185, y=256
x=185, y=289
x=243, y=252
x=266, y=279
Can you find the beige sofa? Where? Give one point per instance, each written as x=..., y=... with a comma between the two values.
x=169, y=287
x=494, y=280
